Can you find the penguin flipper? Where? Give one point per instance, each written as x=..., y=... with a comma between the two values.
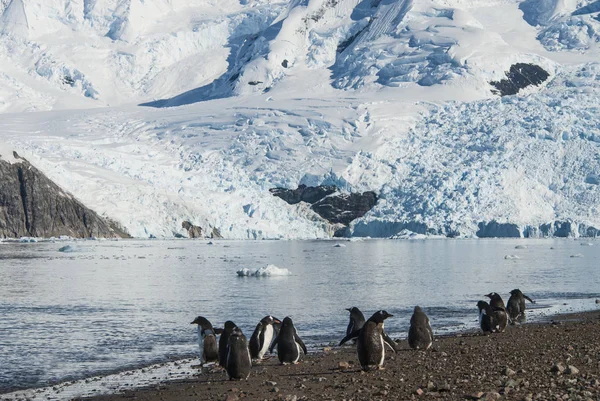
x=273, y=344
x=529, y=299
x=389, y=341
x=349, y=337
x=219, y=331
x=299, y=341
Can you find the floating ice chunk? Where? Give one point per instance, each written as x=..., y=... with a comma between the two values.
x=521, y=247
x=272, y=270
x=577, y=255
x=587, y=244
x=67, y=249
x=510, y=257
x=28, y=239
x=267, y=271
x=339, y=246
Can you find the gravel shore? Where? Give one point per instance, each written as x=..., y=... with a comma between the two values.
x=556, y=360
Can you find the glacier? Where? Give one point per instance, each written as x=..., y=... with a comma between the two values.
x=161, y=111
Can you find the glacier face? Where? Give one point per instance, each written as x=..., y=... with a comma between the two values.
x=391, y=96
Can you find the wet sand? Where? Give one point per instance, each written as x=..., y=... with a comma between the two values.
x=558, y=359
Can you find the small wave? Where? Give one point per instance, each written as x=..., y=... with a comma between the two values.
x=266, y=271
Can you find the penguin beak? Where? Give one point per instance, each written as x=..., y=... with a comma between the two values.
x=349, y=309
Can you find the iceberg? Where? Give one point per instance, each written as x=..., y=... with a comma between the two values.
x=266, y=271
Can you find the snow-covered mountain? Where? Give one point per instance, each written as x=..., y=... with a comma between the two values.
x=153, y=112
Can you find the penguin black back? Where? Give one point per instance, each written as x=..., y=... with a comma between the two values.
x=499, y=311
x=288, y=343
x=420, y=335
x=486, y=317
x=224, y=340
x=516, y=305
x=371, y=339
x=238, y=363
x=357, y=320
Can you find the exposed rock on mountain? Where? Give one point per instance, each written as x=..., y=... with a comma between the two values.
x=193, y=231
x=32, y=205
x=337, y=209
x=520, y=76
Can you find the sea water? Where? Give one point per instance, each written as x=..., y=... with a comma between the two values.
x=81, y=309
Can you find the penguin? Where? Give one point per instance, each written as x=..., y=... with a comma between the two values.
x=288, y=343
x=207, y=340
x=357, y=320
x=224, y=340
x=499, y=311
x=370, y=346
x=487, y=321
x=238, y=363
x=516, y=305
x=262, y=337
x=420, y=335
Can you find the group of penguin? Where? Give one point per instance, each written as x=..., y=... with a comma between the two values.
x=494, y=317
x=234, y=353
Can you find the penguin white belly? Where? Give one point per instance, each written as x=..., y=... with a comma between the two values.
x=201, y=344
x=268, y=337
x=382, y=351
x=299, y=351
x=481, y=314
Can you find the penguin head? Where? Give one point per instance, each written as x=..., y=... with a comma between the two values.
x=229, y=326
x=418, y=309
x=482, y=305
x=380, y=316
x=516, y=291
x=287, y=321
x=202, y=322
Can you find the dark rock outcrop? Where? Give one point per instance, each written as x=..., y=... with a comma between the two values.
x=304, y=193
x=337, y=209
x=197, y=231
x=344, y=208
x=520, y=75
x=193, y=231
x=32, y=205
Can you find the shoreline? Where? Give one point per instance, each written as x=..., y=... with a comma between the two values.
x=510, y=365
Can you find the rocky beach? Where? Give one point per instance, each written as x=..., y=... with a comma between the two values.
x=558, y=359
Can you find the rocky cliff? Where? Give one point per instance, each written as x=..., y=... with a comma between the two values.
x=32, y=205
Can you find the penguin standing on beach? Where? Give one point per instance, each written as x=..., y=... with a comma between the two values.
x=370, y=345
x=288, y=343
x=499, y=311
x=357, y=320
x=487, y=322
x=207, y=340
x=516, y=305
x=262, y=337
x=224, y=341
x=238, y=363
x=420, y=335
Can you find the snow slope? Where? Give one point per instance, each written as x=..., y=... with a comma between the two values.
x=382, y=95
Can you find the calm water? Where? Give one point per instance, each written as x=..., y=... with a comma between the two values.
x=116, y=304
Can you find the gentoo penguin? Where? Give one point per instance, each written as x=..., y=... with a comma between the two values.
x=516, y=305
x=370, y=346
x=224, y=340
x=486, y=317
x=420, y=335
x=207, y=340
x=357, y=320
x=499, y=310
x=238, y=363
x=262, y=337
x=288, y=343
